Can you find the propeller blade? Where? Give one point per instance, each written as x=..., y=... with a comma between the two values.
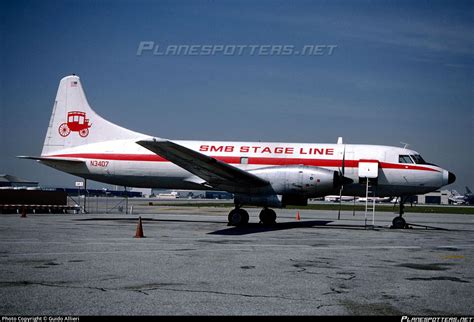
x=340, y=202
x=354, y=207
x=340, y=180
x=343, y=159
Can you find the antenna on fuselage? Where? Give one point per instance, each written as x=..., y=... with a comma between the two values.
x=405, y=145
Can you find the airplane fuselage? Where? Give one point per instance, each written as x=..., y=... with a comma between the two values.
x=125, y=163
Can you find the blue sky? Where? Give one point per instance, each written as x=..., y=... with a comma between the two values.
x=402, y=71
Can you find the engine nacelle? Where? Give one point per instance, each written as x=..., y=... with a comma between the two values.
x=301, y=181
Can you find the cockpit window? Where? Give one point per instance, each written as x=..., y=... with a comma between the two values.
x=404, y=159
x=418, y=159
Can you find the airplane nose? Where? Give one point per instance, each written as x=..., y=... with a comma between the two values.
x=451, y=178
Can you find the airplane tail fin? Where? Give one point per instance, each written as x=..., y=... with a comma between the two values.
x=455, y=193
x=73, y=122
x=468, y=190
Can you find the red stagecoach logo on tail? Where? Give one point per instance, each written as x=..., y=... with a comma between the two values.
x=76, y=122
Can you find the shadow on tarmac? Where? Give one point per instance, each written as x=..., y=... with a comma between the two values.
x=259, y=228
x=255, y=228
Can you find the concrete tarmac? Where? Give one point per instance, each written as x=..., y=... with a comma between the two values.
x=192, y=263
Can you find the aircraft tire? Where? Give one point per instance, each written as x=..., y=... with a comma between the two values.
x=398, y=223
x=238, y=217
x=267, y=216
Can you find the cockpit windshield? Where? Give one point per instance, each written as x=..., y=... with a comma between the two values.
x=418, y=159
x=404, y=159
x=412, y=158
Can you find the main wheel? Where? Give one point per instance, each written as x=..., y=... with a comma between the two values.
x=399, y=223
x=267, y=216
x=64, y=130
x=84, y=132
x=238, y=217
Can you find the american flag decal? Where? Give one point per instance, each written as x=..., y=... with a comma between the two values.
x=74, y=84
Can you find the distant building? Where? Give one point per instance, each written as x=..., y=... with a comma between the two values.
x=218, y=195
x=7, y=180
x=164, y=195
x=434, y=198
x=146, y=192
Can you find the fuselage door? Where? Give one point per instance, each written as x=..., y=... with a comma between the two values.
x=368, y=169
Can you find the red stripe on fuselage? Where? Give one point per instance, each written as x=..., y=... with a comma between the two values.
x=251, y=160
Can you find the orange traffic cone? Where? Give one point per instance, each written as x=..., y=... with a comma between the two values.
x=298, y=216
x=23, y=212
x=139, y=232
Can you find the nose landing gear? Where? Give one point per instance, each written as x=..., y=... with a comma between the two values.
x=399, y=222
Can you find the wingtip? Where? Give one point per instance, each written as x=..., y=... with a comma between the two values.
x=26, y=157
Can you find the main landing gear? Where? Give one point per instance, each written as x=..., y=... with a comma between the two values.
x=267, y=216
x=399, y=222
x=240, y=217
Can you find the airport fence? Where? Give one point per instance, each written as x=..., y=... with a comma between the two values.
x=102, y=204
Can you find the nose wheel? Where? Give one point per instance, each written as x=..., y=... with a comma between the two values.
x=399, y=222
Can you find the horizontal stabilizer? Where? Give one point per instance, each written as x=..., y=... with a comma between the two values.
x=52, y=159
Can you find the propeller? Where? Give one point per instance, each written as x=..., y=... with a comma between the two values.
x=341, y=174
x=340, y=180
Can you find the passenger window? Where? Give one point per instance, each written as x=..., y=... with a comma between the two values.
x=404, y=159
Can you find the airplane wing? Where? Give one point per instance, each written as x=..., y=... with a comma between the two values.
x=216, y=173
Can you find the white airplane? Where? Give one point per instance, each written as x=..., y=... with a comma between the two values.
x=457, y=199
x=80, y=142
x=337, y=198
x=377, y=199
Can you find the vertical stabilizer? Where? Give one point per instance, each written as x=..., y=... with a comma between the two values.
x=74, y=123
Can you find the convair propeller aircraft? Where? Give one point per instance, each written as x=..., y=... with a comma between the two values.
x=82, y=143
